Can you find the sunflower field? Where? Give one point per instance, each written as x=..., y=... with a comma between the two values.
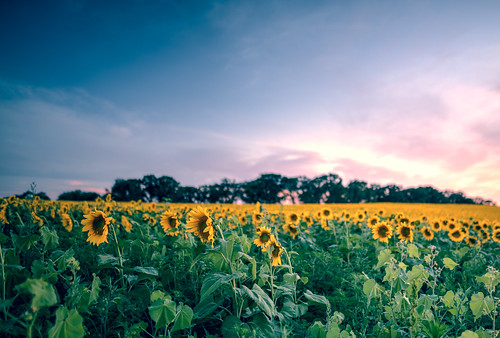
x=108, y=269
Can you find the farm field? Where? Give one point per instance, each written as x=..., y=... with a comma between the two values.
x=110, y=269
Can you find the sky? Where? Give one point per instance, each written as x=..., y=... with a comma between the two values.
x=388, y=92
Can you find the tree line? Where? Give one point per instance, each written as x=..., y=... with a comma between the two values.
x=273, y=188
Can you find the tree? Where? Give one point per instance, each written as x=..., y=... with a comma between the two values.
x=78, y=195
x=264, y=189
x=128, y=190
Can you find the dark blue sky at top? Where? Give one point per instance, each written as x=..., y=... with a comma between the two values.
x=245, y=87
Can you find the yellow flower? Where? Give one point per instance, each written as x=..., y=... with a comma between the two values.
x=382, y=231
x=292, y=217
x=326, y=213
x=372, y=221
x=292, y=229
x=496, y=236
x=405, y=232
x=276, y=251
x=169, y=222
x=265, y=238
x=200, y=223
x=126, y=224
x=67, y=222
x=257, y=217
x=456, y=235
x=428, y=234
x=3, y=216
x=36, y=218
x=472, y=240
x=435, y=225
x=96, y=223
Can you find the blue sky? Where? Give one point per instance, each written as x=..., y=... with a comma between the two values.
x=404, y=92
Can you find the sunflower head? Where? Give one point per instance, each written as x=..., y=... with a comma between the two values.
x=292, y=218
x=382, y=231
x=67, y=222
x=96, y=223
x=405, y=232
x=126, y=223
x=169, y=222
x=472, y=240
x=456, y=235
x=265, y=238
x=428, y=234
x=496, y=236
x=276, y=250
x=200, y=223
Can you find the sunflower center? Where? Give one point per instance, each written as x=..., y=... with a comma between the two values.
x=98, y=224
x=172, y=222
x=293, y=218
x=456, y=234
x=382, y=231
x=405, y=231
x=264, y=237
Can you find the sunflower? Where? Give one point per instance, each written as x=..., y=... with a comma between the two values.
x=435, y=225
x=276, y=251
x=243, y=219
x=428, y=234
x=496, y=236
x=126, y=223
x=257, y=217
x=292, y=217
x=382, y=231
x=360, y=216
x=96, y=223
x=200, y=223
x=372, y=221
x=472, y=240
x=169, y=222
x=485, y=235
x=326, y=213
x=405, y=232
x=292, y=229
x=452, y=226
x=36, y=218
x=265, y=238
x=456, y=235
x=3, y=216
x=67, y=222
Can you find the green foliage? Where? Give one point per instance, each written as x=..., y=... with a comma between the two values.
x=69, y=324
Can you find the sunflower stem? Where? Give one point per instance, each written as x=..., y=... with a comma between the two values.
x=3, y=281
x=347, y=242
x=120, y=260
x=30, y=328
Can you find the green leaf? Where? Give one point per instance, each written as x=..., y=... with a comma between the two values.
x=215, y=280
x=68, y=324
x=43, y=293
x=183, y=318
x=107, y=259
x=162, y=311
x=263, y=301
x=413, y=250
x=156, y=295
x=291, y=310
x=383, y=257
x=489, y=279
x=313, y=299
x=481, y=305
x=449, y=263
x=469, y=334
x=417, y=273
x=372, y=289
x=96, y=287
x=25, y=242
x=49, y=238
